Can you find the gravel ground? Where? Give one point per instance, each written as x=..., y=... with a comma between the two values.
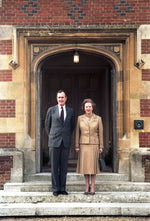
x=78, y=219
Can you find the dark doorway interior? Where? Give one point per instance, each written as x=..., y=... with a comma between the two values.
x=90, y=78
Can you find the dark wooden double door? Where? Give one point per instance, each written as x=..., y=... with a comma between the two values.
x=79, y=82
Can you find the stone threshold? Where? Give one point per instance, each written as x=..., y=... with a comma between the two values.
x=75, y=209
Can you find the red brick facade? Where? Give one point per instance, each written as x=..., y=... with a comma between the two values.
x=146, y=75
x=7, y=140
x=145, y=107
x=6, y=47
x=73, y=12
x=145, y=47
x=6, y=163
x=7, y=108
x=146, y=165
x=144, y=139
x=5, y=75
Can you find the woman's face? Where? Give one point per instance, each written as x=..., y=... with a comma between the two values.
x=88, y=108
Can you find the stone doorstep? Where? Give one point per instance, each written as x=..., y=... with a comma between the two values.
x=78, y=177
x=74, y=197
x=79, y=186
x=74, y=209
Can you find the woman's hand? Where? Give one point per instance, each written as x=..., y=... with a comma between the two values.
x=100, y=150
x=77, y=149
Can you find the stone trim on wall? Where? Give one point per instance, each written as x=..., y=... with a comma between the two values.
x=38, y=49
x=140, y=164
x=14, y=163
x=6, y=163
x=136, y=167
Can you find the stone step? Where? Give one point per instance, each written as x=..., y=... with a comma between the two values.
x=74, y=197
x=100, y=186
x=79, y=177
x=74, y=209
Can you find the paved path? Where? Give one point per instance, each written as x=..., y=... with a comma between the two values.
x=78, y=219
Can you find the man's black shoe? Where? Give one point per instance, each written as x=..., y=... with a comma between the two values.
x=55, y=193
x=63, y=192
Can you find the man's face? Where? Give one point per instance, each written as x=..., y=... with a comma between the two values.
x=61, y=98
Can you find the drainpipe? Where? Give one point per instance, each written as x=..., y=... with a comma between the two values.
x=14, y=62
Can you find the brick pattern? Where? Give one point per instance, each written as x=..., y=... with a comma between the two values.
x=5, y=47
x=145, y=75
x=75, y=12
x=145, y=107
x=5, y=75
x=6, y=163
x=145, y=48
x=146, y=165
x=144, y=139
x=7, y=140
x=7, y=108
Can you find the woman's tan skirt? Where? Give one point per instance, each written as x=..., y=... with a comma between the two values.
x=88, y=159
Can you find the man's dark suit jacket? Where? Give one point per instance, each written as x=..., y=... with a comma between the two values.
x=58, y=131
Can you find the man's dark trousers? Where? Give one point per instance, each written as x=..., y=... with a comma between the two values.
x=59, y=164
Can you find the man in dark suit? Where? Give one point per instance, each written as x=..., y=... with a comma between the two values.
x=59, y=125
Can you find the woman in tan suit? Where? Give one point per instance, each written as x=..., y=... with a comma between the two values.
x=89, y=142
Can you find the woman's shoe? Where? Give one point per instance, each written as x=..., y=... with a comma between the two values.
x=87, y=192
x=92, y=193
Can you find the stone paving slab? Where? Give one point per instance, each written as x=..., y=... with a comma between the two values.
x=78, y=177
x=80, y=218
x=78, y=186
x=99, y=197
x=75, y=209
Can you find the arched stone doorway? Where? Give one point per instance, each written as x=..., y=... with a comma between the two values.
x=94, y=76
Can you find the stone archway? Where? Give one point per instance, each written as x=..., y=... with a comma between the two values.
x=115, y=68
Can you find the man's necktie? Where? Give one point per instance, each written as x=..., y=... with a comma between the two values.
x=62, y=115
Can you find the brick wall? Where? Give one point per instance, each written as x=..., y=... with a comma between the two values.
x=145, y=75
x=145, y=107
x=6, y=47
x=146, y=165
x=71, y=12
x=5, y=75
x=7, y=140
x=7, y=108
x=144, y=139
x=6, y=163
x=145, y=47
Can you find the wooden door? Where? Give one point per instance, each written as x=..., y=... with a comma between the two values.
x=94, y=84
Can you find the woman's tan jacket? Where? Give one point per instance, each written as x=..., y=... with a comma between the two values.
x=89, y=132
